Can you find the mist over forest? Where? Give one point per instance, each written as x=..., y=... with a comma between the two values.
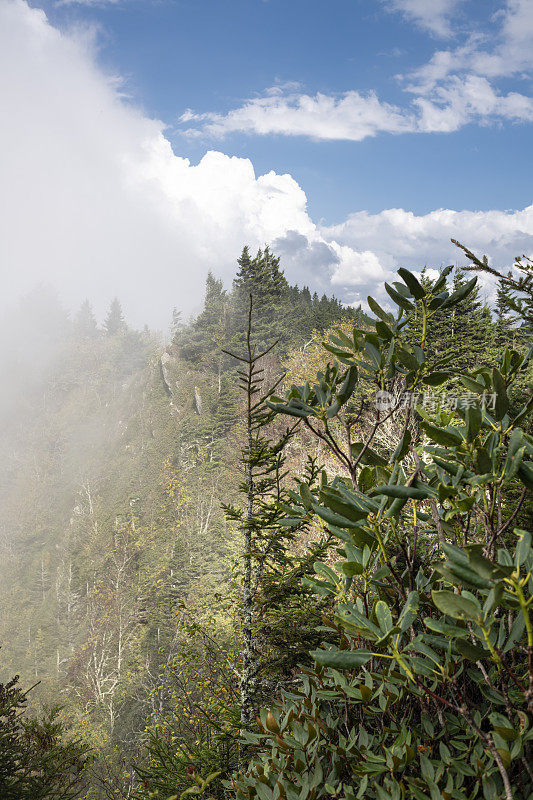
x=173, y=514
x=266, y=400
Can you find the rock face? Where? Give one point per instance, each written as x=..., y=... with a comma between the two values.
x=167, y=362
x=197, y=401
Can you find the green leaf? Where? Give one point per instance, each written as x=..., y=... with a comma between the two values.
x=383, y=330
x=454, y=553
x=460, y=294
x=395, y=507
x=484, y=567
x=454, y=605
x=308, y=499
x=403, y=492
x=441, y=280
x=291, y=411
x=458, y=573
x=378, y=311
x=473, y=385
x=443, y=436
x=333, y=519
x=348, y=385
x=333, y=409
x=451, y=467
x=473, y=422
x=523, y=547
x=436, y=378
x=439, y=626
x=327, y=572
x=351, y=568
x=416, y=289
x=407, y=359
x=525, y=411
x=470, y=651
x=341, y=659
x=502, y=401
x=349, y=510
x=400, y=301
x=369, y=456
x=402, y=447
x=517, y=631
x=374, y=354
x=525, y=473
x=513, y=462
x=409, y=611
x=483, y=461
x=384, y=616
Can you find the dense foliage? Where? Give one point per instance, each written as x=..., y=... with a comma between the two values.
x=36, y=763
x=429, y=693
x=339, y=612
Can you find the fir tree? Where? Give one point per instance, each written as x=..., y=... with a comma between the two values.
x=262, y=278
x=504, y=333
x=463, y=334
x=114, y=322
x=176, y=323
x=85, y=322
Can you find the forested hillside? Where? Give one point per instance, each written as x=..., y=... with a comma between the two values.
x=131, y=467
x=117, y=453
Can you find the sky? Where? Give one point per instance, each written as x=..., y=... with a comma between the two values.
x=144, y=142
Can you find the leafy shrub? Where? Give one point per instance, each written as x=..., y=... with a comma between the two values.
x=430, y=691
x=35, y=762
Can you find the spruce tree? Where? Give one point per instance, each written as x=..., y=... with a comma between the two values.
x=504, y=335
x=85, y=322
x=263, y=279
x=463, y=334
x=176, y=323
x=114, y=322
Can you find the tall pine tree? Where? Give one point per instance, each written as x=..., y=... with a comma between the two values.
x=85, y=322
x=114, y=322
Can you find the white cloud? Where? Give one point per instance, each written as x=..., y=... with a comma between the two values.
x=431, y=15
x=88, y=2
x=454, y=88
x=401, y=238
x=376, y=245
x=460, y=101
x=351, y=116
x=94, y=201
x=504, y=50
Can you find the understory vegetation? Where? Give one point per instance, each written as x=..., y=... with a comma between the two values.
x=286, y=556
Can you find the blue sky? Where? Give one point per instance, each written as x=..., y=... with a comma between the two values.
x=210, y=55
x=363, y=105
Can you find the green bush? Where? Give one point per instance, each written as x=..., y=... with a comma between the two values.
x=430, y=691
x=36, y=763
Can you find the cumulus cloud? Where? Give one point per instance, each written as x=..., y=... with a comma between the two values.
x=352, y=116
x=503, y=51
x=434, y=16
x=95, y=202
x=93, y=199
x=454, y=88
x=400, y=238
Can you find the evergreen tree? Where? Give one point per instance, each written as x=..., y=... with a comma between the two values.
x=262, y=278
x=176, y=323
x=463, y=334
x=202, y=341
x=85, y=322
x=114, y=323
x=215, y=304
x=35, y=762
x=504, y=333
